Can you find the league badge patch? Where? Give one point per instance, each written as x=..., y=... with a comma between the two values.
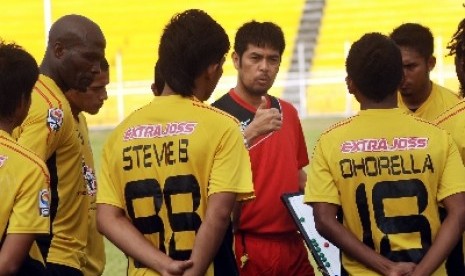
x=44, y=203
x=55, y=118
x=3, y=158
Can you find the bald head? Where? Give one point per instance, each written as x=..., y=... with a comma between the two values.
x=74, y=29
x=76, y=45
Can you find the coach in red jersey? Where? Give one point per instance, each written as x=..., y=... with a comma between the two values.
x=266, y=238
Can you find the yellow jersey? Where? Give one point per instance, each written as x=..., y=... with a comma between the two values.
x=161, y=164
x=49, y=131
x=389, y=181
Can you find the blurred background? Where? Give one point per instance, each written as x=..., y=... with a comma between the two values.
x=318, y=36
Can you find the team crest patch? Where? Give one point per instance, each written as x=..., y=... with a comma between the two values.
x=55, y=118
x=44, y=203
x=3, y=158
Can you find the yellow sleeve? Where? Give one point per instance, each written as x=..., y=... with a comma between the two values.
x=107, y=190
x=41, y=131
x=320, y=185
x=31, y=208
x=452, y=180
x=231, y=171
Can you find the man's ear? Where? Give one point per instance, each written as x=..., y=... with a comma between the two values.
x=350, y=85
x=58, y=49
x=236, y=60
x=212, y=70
x=431, y=63
x=216, y=69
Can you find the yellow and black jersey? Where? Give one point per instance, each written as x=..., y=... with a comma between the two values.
x=49, y=131
x=389, y=182
x=95, y=249
x=161, y=164
x=24, y=196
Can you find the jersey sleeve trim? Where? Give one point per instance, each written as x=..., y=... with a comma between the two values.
x=322, y=199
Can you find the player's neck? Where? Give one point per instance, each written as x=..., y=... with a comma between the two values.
x=250, y=98
x=387, y=103
x=7, y=125
x=414, y=101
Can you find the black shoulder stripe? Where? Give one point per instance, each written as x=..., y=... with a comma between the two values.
x=228, y=104
x=275, y=103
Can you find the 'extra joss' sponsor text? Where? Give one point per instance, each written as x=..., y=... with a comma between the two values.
x=382, y=144
x=159, y=130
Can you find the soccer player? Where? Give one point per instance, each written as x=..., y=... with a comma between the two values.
x=24, y=178
x=453, y=120
x=418, y=94
x=72, y=60
x=90, y=101
x=389, y=180
x=266, y=238
x=173, y=169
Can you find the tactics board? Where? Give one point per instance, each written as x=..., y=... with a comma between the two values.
x=324, y=252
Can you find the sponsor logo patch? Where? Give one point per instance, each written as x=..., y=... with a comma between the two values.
x=55, y=118
x=44, y=203
x=384, y=145
x=159, y=130
x=3, y=159
x=90, y=179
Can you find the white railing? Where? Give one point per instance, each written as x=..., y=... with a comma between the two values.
x=307, y=84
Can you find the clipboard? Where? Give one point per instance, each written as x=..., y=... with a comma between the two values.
x=326, y=255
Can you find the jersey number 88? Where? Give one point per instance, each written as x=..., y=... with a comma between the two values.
x=179, y=222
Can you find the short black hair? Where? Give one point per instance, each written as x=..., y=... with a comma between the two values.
x=374, y=64
x=260, y=34
x=18, y=74
x=190, y=43
x=416, y=37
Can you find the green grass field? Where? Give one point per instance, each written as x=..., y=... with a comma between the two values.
x=116, y=261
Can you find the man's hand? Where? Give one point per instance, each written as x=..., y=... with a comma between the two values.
x=266, y=120
x=401, y=269
x=175, y=268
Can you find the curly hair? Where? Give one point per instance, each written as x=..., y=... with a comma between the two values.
x=456, y=47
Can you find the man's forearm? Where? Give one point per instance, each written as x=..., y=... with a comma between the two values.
x=121, y=232
x=447, y=237
x=211, y=232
